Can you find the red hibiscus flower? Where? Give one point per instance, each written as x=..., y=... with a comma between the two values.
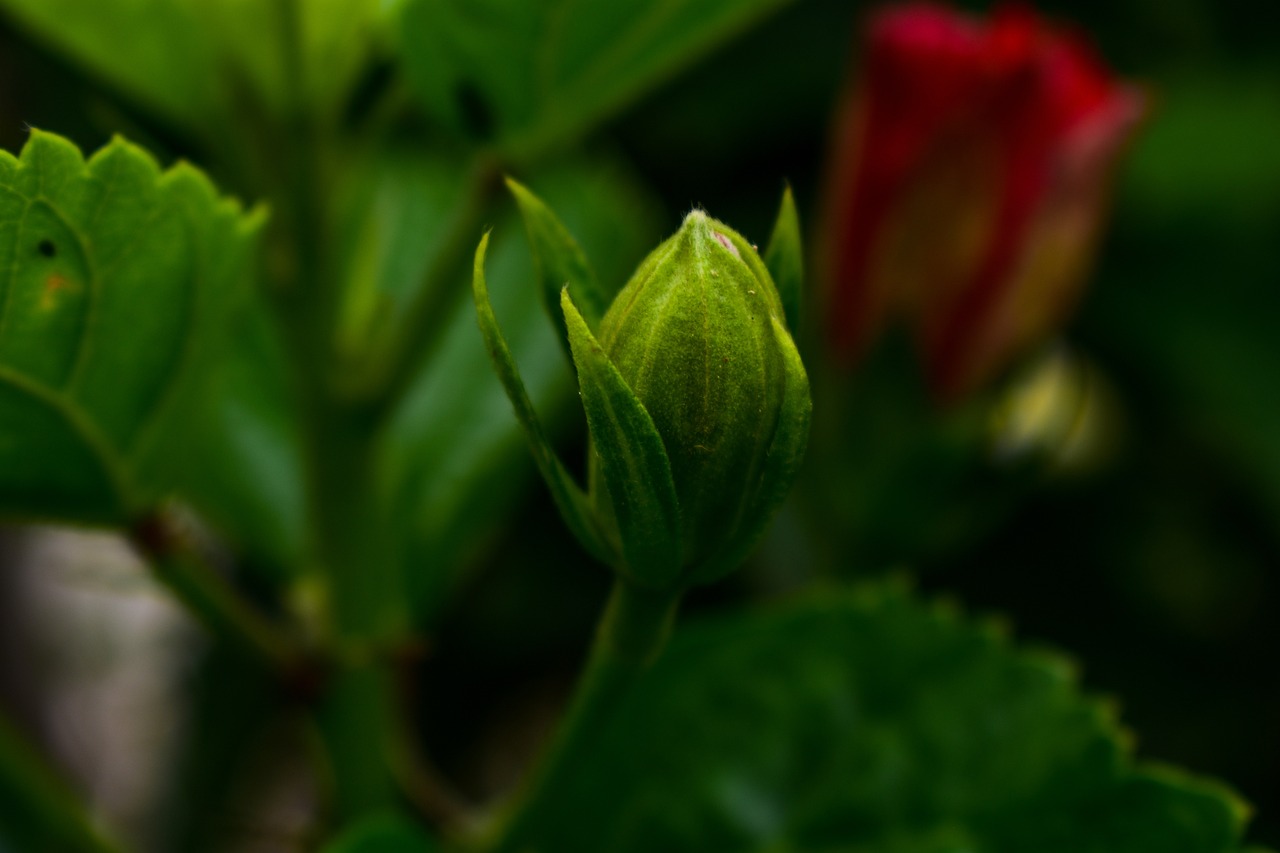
x=969, y=179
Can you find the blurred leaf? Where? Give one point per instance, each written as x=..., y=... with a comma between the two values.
x=121, y=282
x=891, y=479
x=383, y=834
x=535, y=75
x=866, y=721
x=456, y=454
x=245, y=466
x=232, y=703
x=1186, y=300
x=38, y=810
x=1209, y=150
x=399, y=212
x=186, y=59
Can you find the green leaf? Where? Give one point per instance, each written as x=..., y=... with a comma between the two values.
x=633, y=460
x=120, y=281
x=190, y=60
x=569, y=498
x=866, y=721
x=245, y=471
x=559, y=263
x=38, y=810
x=784, y=258
x=535, y=75
x=404, y=216
x=383, y=834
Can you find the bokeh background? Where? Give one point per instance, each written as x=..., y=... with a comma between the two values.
x=1157, y=567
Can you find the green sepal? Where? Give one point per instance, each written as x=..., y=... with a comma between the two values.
x=781, y=465
x=569, y=498
x=784, y=256
x=633, y=460
x=559, y=263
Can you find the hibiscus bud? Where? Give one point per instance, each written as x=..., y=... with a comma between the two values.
x=696, y=400
x=968, y=183
x=698, y=341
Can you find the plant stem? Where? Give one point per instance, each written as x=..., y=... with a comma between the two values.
x=631, y=634
x=351, y=548
x=176, y=564
x=38, y=806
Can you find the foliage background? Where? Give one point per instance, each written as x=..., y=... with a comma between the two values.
x=1159, y=571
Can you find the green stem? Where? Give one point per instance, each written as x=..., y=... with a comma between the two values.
x=352, y=550
x=631, y=635
x=358, y=716
x=176, y=564
x=37, y=808
x=358, y=721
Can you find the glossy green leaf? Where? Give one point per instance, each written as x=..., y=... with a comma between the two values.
x=120, y=282
x=867, y=721
x=189, y=60
x=535, y=75
x=633, y=460
x=559, y=262
x=383, y=834
x=784, y=256
x=568, y=496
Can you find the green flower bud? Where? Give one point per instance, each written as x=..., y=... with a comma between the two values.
x=695, y=397
x=698, y=336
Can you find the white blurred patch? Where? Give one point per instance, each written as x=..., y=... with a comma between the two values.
x=106, y=651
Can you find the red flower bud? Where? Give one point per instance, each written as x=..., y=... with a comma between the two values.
x=968, y=182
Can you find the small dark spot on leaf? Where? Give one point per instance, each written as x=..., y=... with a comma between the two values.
x=47, y=248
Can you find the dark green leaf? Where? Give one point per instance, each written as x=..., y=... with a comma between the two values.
x=784, y=257
x=866, y=721
x=534, y=75
x=120, y=282
x=1186, y=299
x=633, y=460
x=399, y=212
x=559, y=263
x=383, y=834
x=189, y=59
x=244, y=470
x=38, y=809
x=568, y=496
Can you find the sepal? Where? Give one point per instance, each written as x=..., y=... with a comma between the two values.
x=559, y=262
x=633, y=461
x=569, y=498
x=784, y=257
